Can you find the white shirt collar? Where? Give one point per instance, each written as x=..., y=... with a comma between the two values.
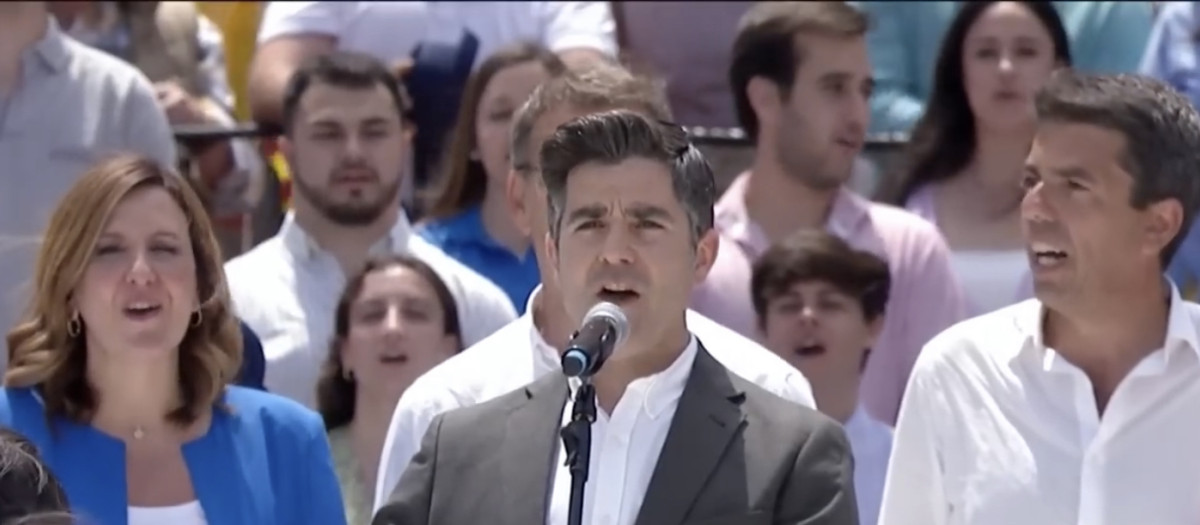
x=1181, y=329
x=304, y=247
x=662, y=390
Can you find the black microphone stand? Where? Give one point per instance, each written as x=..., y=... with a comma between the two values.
x=577, y=442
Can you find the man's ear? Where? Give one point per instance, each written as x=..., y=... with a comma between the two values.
x=514, y=195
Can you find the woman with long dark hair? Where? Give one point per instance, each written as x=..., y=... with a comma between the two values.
x=963, y=167
x=395, y=320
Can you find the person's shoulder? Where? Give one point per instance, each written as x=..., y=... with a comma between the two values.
x=476, y=373
x=901, y=221
x=274, y=413
x=750, y=360
x=781, y=420
x=266, y=253
x=492, y=412
x=459, y=278
x=99, y=66
x=980, y=342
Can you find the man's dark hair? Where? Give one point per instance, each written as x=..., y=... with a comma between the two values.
x=815, y=255
x=615, y=136
x=27, y=487
x=344, y=69
x=1160, y=127
x=766, y=45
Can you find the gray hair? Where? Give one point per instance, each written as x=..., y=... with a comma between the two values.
x=601, y=87
x=1160, y=126
x=614, y=136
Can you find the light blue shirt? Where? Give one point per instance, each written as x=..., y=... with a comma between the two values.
x=1171, y=56
x=905, y=38
x=265, y=461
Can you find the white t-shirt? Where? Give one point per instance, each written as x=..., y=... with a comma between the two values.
x=391, y=30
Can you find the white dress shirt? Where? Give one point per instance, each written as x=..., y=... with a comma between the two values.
x=517, y=355
x=391, y=30
x=286, y=289
x=998, y=429
x=625, y=447
x=871, y=444
x=183, y=514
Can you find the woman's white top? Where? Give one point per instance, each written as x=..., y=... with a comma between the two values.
x=186, y=514
x=988, y=278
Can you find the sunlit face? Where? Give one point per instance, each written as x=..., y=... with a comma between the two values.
x=821, y=125
x=625, y=238
x=504, y=94
x=397, y=332
x=1084, y=237
x=1007, y=56
x=528, y=193
x=347, y=152
x=821, y=331
x=138, y=291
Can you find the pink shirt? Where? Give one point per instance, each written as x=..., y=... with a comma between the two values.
x=925, y=296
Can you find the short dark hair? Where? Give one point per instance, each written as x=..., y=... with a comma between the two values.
x=765, y=45
x=614, y=136
x=816, y=255
x=1160, y=126
x=345, y=69
x=943, y=141
x=27, y=487
x=600, y=87
x=336, y=394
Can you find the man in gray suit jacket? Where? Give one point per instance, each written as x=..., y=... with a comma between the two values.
x=632, y=225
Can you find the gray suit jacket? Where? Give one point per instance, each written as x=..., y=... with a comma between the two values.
x=735, y=454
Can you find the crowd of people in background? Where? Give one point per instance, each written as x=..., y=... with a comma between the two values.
x=995, y=325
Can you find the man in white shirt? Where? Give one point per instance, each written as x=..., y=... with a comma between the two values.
x=347, y=140
x=528, y=349
x=820, y=305
x=1079, y=406
x=581, y=32
x=678, y=438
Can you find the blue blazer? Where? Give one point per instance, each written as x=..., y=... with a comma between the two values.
x=264, y=462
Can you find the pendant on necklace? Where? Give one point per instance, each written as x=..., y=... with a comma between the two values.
x=138, y=433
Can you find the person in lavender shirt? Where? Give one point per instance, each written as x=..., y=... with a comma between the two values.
x=962, y=170
x=802, y=97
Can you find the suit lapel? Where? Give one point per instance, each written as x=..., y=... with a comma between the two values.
x=530, y=446
x=709, y=415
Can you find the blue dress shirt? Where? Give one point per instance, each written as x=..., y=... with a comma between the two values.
x=265, y=461
x=464, y=238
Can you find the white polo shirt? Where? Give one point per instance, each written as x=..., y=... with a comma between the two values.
x=517, y=355
x=391, y=30
x=998, y=429
x=286, y=289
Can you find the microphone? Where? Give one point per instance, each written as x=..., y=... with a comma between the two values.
x=604, y=327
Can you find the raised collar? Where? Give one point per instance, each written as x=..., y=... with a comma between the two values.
x=304, y=247
x=845, y=218
x=1181, y=329
x=51, y=50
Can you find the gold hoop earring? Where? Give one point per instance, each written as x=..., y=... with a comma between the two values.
x=197, y=318
x=74, y=326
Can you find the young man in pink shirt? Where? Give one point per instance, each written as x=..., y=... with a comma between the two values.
x=802, y=80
